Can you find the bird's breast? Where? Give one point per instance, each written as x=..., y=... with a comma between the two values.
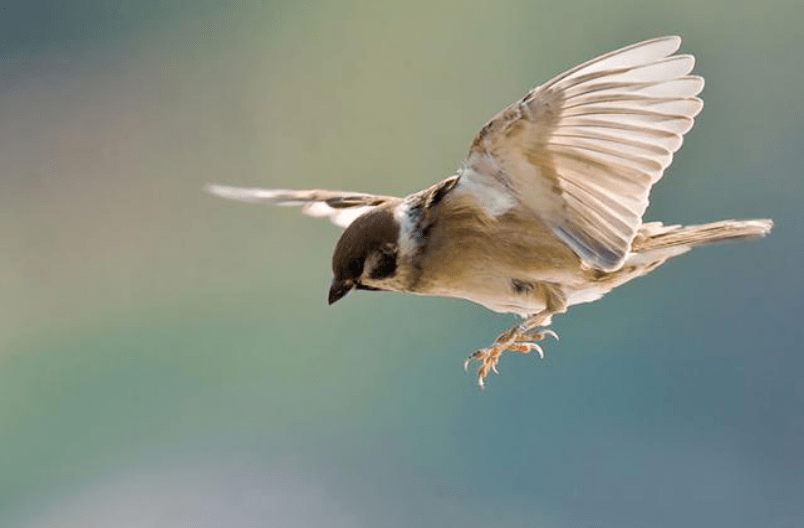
x=504, y=264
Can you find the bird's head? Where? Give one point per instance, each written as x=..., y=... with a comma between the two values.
x=365, y=257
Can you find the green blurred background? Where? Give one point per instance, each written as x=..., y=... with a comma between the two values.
x=168, y=359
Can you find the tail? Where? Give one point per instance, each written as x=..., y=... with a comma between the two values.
x=655, y=236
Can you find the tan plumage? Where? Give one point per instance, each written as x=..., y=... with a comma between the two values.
x=546, y=210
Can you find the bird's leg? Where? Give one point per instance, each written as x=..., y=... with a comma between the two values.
x=520, y=338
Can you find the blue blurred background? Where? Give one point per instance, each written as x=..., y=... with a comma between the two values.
x=168, y=359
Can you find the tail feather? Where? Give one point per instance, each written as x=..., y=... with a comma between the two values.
x=656, y=236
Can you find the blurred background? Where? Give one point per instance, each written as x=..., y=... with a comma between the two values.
x=167, y=358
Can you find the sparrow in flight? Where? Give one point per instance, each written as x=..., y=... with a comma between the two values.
x=546, y=210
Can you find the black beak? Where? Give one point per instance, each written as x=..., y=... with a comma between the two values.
x=339, y=289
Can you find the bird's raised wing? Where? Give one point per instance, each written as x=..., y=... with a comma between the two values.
x=583, y=150
x=341, y=207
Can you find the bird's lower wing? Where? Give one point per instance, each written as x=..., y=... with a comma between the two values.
x=340, y=207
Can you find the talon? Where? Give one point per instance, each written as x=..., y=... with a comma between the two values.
x=516, y=339
x=467, y=363
x=475, y=356
x=538, y=349
x=548, y=332
x=488, y=358
x=520, y=338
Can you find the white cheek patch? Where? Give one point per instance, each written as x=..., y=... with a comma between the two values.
x=407, y=226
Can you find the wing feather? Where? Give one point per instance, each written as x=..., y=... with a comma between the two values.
x=583, y=150
x=340, y=207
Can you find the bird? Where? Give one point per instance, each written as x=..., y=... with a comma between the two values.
x=545, y=212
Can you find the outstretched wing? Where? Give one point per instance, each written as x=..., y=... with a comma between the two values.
x=583, y=150
x=341, y=207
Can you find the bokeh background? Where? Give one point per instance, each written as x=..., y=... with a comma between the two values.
x=168, y=359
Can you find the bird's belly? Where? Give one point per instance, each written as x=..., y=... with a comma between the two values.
x=497, y=295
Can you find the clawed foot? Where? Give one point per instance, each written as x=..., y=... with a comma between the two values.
x=516, y=340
